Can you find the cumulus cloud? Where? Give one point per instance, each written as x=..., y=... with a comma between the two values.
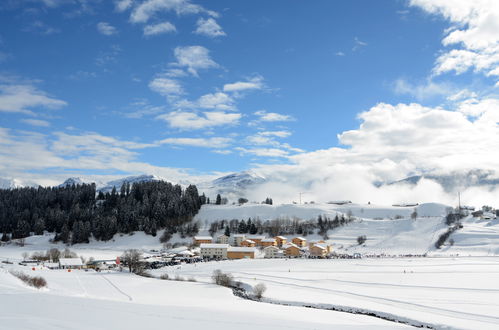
x=212, y=142
x=194, y=58
x=209, y=27
x=423, y=91
x=106, y=29
x=263, y=152
x=18, y=96
x=475, y=31
x=160, y=28
x=191, y=120
x=391, y=143
x=122, y=5
x=144, y=11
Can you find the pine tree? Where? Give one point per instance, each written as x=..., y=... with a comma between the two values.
x=219, y=200
x=227, y=231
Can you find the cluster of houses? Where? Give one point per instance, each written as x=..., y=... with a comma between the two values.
x=240, y=246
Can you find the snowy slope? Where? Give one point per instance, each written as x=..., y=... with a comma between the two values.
x=89, y=300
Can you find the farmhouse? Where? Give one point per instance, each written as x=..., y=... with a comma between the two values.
x=268, y=242
x=272, y=252
x=214, y=250
x=280, y=240
x=70, y=263
x=291, y=250
x=300, y=241
x=223, y=239
x=241, y=252
x=248, y=243
x=202, y=239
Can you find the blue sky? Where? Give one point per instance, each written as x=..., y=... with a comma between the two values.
x=95, y=88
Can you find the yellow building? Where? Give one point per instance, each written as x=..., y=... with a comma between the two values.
x=257, y=239
x=241, y=252
x=280, y=240
x=268, y=242
x=300, y=241
x=318, y=251
x=248, y=243
x=291, y=250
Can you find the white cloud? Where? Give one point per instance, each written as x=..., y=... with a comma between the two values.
x=339, y=54
x=194, y=58
x=24, y=97
x=166, y=86
x=272, y=116
x=122, y=5
x=160, y=28
x=358, y=44
x=263, y=152
x=191, y=120
x=150, y=8
x=209, y=27
x=212, y=142
x=220, y=101
x=254, y=83
x=281, y=134
x=36, y=122
x=475, y=30
x=106, y=29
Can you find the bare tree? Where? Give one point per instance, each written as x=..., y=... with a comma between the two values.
x=259, y=290
x=414, y=215
x=25, y=255
x=132, y=259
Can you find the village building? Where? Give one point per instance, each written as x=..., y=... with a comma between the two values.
x=268, y=242
x=300, y=241
x=214, y=250
x=223, y=239
x=237, y=239
x=291, y=250
x=202, y=239
x=281, y=240
x=318, y=250
x=248, y=243
x=241, y=252
x=271, y=252
x=70, y=263
x=257, y=239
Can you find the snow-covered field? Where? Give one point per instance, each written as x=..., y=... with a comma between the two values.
x=461, y=293
x=89, y=300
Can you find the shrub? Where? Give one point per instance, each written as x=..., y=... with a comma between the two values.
x=179, y=278
x=34, y=281
x=164, y=277
x=259, y=290
x=222, y=279
x=192, y=279
x=361, y=239
x=165, y=237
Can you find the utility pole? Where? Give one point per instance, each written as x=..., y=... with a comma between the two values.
x=300, y=197
x=459, y=200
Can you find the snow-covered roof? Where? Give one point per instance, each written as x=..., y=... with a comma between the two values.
x=280, y=237
x=288, y=245
x=70, y=262
x=268, y=240
x=186, y=253
x=257, y=237
x=241, y=249
x=214, y=246
x=271, y=247
x=239, y=235
x=249, y=241
x=223, y=235
x=319, y=247
x=300, y=238
x=198, y=238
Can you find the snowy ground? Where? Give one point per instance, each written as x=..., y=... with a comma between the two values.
x=89, y=300
x=461, y=293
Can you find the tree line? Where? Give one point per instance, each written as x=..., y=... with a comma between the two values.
x=77, y=212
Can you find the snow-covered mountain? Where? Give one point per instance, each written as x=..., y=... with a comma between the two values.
x=7, y=183
x=233, y=185
x=456, y=181
x=73, y=181
x=108, y=187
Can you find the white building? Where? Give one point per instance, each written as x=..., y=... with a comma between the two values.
x=214, y=250
x=222, y=239
x=237, y=239
x=272, y=252
x=70, y=263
